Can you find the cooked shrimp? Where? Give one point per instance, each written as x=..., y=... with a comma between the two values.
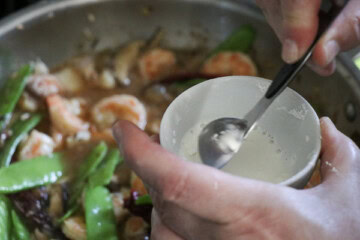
x=43, y=85
x=102, y=135
x=229, y=63
x=62, y=118
x=74, y=228
x=157, y=64
x=37, y=144
x=123, y=106
x=135, y=228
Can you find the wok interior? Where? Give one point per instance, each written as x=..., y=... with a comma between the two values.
x=57, y=31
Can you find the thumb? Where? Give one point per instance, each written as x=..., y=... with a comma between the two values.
x=339, y=156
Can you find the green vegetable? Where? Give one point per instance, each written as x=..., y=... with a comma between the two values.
x=19, y=129
x=19, y=231
x=31, y=173
x=105, y=172
x=12, y=90
x=144, y=200
x=69, y=213
x=92, y=161
x=181, y=86
x=99, y=214
x=5, y=218
x=90, y=164
x=240, y=40
x=5, y=121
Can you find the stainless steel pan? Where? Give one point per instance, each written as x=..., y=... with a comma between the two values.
x=57, y=30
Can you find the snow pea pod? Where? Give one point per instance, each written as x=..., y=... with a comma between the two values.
x=19, y=231
x=92, y=161
x=90, y=164
x=105, y=172
x=31, y=173
x=5, y=218
x=99, y=214
x=240, y=40
x=12, y=90
x=19, y=129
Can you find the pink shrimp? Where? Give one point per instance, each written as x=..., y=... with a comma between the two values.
x=229, y=63
x=156, y=64
x=37, y=144
x=62, y=118
x=123, y=106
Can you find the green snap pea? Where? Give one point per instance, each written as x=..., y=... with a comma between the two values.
x=92, y=161
x=5, y=218
x=240, y=40
x=105, y=172
x=12, y=90
x=90, y=164
x=19, y=129
x=144, y=200
x=99, y=214
x=19, y=231
x=5, y=121
x=31, y=173
x=69, y=213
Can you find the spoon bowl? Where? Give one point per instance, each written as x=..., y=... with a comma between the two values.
x=217, y=149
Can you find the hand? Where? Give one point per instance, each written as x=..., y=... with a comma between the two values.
x=194, y=201
x=295, y=22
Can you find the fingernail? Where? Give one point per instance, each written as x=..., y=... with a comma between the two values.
x=327, y=71
x=290, y=51
x=332, y=48
x=326, y=121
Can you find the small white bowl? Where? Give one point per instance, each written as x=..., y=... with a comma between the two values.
x=290, y=120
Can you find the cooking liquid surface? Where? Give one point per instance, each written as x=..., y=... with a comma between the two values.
x=259, y=157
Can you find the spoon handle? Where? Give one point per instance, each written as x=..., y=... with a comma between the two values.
x=289, y=71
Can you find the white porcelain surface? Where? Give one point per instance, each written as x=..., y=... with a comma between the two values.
x=290, y=119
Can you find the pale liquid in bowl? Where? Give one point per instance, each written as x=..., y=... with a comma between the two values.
x=259, y=157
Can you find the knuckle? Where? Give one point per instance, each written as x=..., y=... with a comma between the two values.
x=175, y=187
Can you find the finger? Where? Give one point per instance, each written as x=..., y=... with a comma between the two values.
x=270, y=9
x=323, y=71
x=155, y=138
x=182, y=222
x=299, y=27
x=193, y=187
x=339, y=155
x=343, y=35
x=159, y=231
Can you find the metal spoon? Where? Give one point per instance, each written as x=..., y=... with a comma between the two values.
x=222, y=138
